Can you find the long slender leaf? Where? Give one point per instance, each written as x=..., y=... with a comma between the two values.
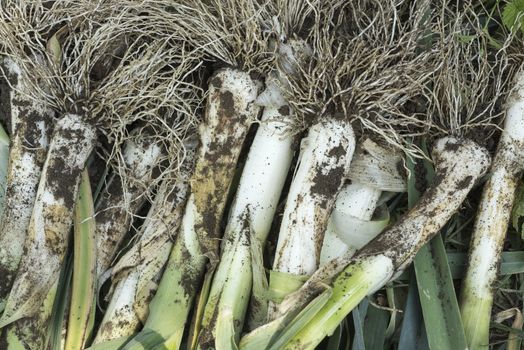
x=335, y=340
x=512, y=263
x=84, y=269
x=375, y=327
x=114, y=344
x=359, y=315
x=303, y=318
x=61, y=300
x=438, y=298
x=277, y=333
x=413, y=333
x=200, y=305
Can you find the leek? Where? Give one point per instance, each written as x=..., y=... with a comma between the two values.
x=136, y=274
x=48, y=230
x=229, y=113
x=105, y=106
x=30, y=127
x=251, y=214
x=117, y=204
x=324, y=162
x=355, y=219
x=491, y=224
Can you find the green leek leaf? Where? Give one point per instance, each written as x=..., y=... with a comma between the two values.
x=84, y=269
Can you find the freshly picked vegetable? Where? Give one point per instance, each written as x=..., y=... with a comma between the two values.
x=242, y=174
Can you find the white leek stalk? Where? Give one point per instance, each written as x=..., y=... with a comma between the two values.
x=491, y=224
x=136, y=275
x=229, y=112
x=250, y=219
x=333, y=247
x=114, y=218
x=324, y=162
x=459, y=163
x=51, y=219
x=351, y=226
x=30, y=126
x=117, y=204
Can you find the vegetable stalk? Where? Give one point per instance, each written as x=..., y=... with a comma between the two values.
x=324, y=162
x=491, y=224
x=350, y=226
x=137, y=273
x=117, y=204
x=355, y=220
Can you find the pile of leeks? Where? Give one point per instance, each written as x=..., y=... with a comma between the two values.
x=234, y=174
